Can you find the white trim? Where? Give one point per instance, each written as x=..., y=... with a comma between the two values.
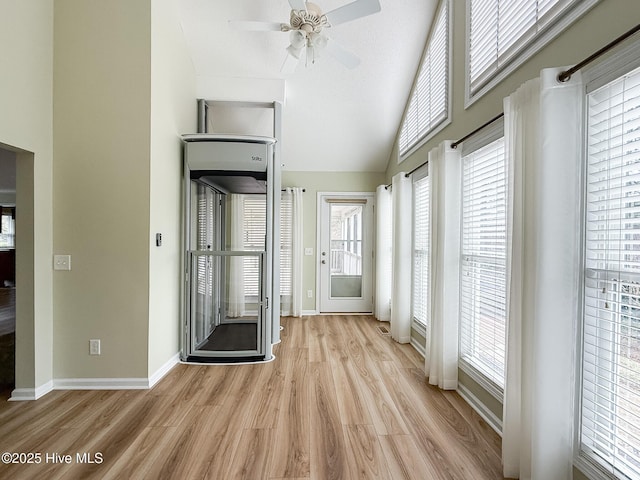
x=428, y=136
x=23, y=394
x=419, y=348
x=487, y=415
x=307, y=313
x=369, y=198
x=491, y=388
x=101, y=384
x=558, y=26
x=164, y=369
x=621, y=61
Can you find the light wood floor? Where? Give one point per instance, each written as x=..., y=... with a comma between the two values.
x=341, y=401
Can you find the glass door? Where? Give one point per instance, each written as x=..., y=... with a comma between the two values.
x=346, y=253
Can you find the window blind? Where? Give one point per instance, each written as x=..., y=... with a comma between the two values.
x=420, y=298
x=255, y=231
x=429, y=99
x=499, y=30
x=286, y=244
x=483, y=263
x=255, y=218
x=610, y=416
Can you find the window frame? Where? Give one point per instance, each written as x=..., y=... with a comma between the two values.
x=624, y=61
x=425, y=136
x=488, y=135
x=552, y=28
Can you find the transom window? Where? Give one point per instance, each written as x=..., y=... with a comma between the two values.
x=428, y=106
x=503, y=34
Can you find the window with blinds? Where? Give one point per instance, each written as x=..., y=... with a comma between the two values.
x=255, y=221
x=420, y=303
x=503, y=31
x=610, y=391
x=255, y=231
x=483, y=263
x=286, y=244
x=429, y=100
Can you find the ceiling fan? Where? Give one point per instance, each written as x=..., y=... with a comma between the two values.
x=306, y=27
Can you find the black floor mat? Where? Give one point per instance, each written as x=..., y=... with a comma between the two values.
x=232, y=337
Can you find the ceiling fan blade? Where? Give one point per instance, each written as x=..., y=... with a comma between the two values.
x=297, y=4
x=341, y=54
x=289, y=65
x=353, y=10
x=256, y=26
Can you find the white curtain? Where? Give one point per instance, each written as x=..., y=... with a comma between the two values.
x=384, y=237
x=236, y=263
x=521, y=132
x=543, y=140
x=441, y=359
x=296, y=250
x=401, y=247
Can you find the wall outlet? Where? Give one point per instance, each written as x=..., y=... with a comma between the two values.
x=309, y=293
x=308, y=251
x=94, y=347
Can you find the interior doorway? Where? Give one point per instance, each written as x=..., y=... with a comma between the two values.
x=345, y=253
x=7, y=269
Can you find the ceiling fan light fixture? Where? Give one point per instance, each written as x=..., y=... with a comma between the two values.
x=294, y=52
x=297, y=38
x=317, y=40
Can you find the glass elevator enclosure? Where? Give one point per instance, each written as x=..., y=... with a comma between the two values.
x=232, y=191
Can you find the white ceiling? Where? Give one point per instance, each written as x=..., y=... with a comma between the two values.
x=334, y=119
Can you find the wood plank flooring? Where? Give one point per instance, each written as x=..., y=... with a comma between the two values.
x=341, y=401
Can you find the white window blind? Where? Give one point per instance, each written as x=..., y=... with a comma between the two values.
x=483, y=265
x=610, y=416
x=7, y=227
x=286, y=243
x=429, y=99
x=499, y=31
x=255, y=218
x=420, y=285
x=255, y=231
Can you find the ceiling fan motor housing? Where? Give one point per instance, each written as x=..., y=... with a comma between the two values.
x=310, y=20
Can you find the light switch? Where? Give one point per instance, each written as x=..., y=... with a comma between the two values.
x=308, y=251
x=62, y=262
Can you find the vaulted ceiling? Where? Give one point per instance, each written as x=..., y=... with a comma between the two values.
x=334, y=118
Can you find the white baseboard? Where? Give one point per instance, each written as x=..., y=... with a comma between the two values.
x=419, y=348
x=101, y=383
x=24, y=394
x=487, y=415
x=307, y=313
x=163, y=370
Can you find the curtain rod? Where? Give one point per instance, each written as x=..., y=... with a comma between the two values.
x=486, y=124
x=284, y=190
x=563, y=76
x=566, y=75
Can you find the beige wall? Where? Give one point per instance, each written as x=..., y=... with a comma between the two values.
x=26, y=104
x=102, y=111
x=314, y=182
x=173, y=112
x=598, y=27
